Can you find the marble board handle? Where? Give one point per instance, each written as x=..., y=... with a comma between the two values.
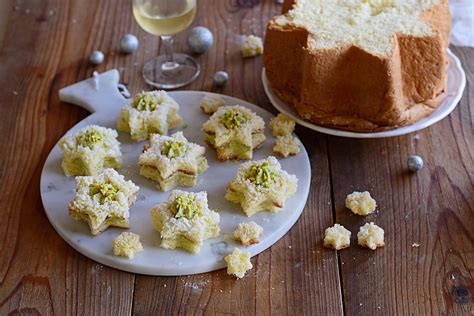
x=97, y=94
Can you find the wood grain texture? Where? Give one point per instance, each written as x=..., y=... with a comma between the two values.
x=5, y=9
x=432, y=208
x=46, y=48
x=295, y=275
x=39, y=272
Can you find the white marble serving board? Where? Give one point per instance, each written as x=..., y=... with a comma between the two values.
x=105, y=102
x=456, y=85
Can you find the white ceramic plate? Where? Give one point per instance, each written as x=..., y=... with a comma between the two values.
x=456, y=84
x=57, y=190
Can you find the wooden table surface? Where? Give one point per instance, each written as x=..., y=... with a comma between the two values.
x=46, y=47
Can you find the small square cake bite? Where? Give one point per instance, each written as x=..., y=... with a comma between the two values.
x=261, y=185
x=371, y=236
x=248, y=233
x=127, y=244
x=185, y=221
x=286, y=145
x=282, y=125
x=103, y=200
x=361, y=203
x=234, y=131
x=210, y=103
x=251, y=46
x=337, y=237
x=238, y=263
x=172, y=161
x=152, y=112
x=90, y=150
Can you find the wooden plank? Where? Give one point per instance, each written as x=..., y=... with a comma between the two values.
x=433, y=208
x=5, y=9
x=295, y=276
x=46, y=47
x=44, y=50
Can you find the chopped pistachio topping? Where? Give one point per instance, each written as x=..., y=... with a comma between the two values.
x=233, y=119
x=103, y=192
x=262, y=175
x=185, y=206
x=89, y=139
x=144, y=102
x=173, y=149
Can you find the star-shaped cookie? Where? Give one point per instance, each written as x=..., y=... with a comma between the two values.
x=234, y=131
x=103, y=200
x=172, y=161
x=90, y=150
x=185, y=221
x=261, y=185
x=150, y=112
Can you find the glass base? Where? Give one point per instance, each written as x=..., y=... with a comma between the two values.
x=167, y=75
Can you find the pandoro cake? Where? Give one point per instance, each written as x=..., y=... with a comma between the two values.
x=359, y=65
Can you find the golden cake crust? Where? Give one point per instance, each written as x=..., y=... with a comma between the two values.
x=349, y=88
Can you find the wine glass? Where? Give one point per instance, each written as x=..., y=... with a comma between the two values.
x=165, y=18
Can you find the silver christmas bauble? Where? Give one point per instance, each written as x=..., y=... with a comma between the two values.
x=220, y=78
x=128, y=43
x=96, y=57
x=200, y=39
x=415, y=163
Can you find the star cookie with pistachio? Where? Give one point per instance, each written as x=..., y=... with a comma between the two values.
x=261, y=185
x=103, y=200
x=152, y=112
x=90, y=150
x=234, y=131
x=172, y=161
x=185, y=221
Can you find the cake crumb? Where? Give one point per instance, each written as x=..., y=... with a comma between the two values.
x=337, y=237
x=248, y=233
x=287, y=145
x=210, y=103
x=127, y=244
x=371, y=236
x=361, y=203
x=238, y=263
x=251, y=46
x=282, y=125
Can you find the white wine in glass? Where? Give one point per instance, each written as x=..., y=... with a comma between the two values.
x=165, y=18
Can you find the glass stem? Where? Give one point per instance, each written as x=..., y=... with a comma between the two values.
x=170, y=63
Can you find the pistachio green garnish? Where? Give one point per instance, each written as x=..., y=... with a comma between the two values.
x=144, y=102
x=262, y=175
x=173, y=149
x=185, y=206
x=233, y=119
x=103, y=192
x=89, y=139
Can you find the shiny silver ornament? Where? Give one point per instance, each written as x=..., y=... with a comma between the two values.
x=200, y=39
x=128, y=43
x=415, y=163
x=96, y=57
x=220, y=78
